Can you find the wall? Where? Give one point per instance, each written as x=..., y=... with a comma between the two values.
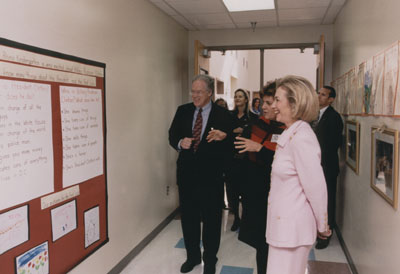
x=262, y=36
x=370, y=226
x=280, y=62
x=146, y=57
x=244, y=65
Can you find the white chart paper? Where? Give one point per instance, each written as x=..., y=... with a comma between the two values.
x=92, y=226
x=63, y=219
x=14, y=229
x=26, y=142
x=82, y=134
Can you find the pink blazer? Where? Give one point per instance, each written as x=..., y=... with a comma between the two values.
x=297, y=204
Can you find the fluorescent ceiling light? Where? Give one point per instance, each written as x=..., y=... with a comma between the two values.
x=246, y=5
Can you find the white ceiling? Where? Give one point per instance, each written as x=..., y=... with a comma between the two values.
x=212, y=14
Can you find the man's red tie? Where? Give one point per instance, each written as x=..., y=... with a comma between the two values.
x=197, y=130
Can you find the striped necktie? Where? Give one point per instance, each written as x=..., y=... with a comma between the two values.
x=197, y=130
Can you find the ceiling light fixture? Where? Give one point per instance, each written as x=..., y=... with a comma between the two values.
x=241, y=5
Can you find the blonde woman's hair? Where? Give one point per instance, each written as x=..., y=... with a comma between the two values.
x=301, y=96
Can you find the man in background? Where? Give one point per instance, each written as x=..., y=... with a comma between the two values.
x=329, y=133
x=202, y=134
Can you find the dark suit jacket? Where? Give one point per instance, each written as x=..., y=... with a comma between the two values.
x=329, y=134
x=205, y=166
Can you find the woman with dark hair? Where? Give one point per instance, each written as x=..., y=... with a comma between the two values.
x=260, y=149
x=236, y=169
x=222, y=103
x=256, y=106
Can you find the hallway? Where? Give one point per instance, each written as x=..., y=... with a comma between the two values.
x=166, y=253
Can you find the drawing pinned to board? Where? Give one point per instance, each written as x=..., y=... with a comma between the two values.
x=92, y=226
x=63, y=219
x=391, y=78
x=360, y=89
x=368, y=80
x=377, y=84
x=14, y=228
x=34, y=261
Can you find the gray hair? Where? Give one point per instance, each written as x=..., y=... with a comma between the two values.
x=208, y=80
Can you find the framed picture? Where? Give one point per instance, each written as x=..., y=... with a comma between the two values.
x=353, y=145
x=384, y=163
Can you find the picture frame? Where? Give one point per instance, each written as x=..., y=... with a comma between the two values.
x=384, y=163
x=353, y=145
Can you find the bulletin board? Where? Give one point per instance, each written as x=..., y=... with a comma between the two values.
x=53, y=187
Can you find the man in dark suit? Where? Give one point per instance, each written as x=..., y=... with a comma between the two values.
x=202, y=133
x=329, y=133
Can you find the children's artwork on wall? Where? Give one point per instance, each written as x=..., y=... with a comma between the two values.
x=391, y=79
x=63, y=219
x=352, y=81
x=14, y=228
x=340, y=94
x=34, y=261
x=92, y=226
x=384, y=163
x=377, y=84
x=368, y=80
x=346, y=94
x=397, y=95
x=352, y=145
x=360, y=89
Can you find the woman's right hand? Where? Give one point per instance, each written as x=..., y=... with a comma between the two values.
x=238, y=130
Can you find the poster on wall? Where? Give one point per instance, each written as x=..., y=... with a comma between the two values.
x=92, y=226
x=352, y=87
x=34, y=261
x=14, y=228
x=368, y=80
x=377, y=84
x=390, y=78
x=63, y=219
x=360, y=89
x=82, y=134
x=26, y=142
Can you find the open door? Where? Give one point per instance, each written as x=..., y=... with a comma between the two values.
x=201, y=63
x=321, y=63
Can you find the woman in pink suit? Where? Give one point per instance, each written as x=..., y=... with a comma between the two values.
x=297, y=207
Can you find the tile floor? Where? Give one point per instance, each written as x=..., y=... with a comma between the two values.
x=166, y=253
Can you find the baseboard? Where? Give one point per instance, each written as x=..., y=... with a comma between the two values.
x=137, y=249
x=346, y=251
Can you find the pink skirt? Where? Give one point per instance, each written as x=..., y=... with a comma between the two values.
x=288, y=260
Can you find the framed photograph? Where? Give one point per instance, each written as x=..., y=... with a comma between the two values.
x=353, y=145
x=384, y=163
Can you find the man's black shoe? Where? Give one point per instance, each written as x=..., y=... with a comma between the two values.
x=209, y=269
x=236, y=224
x=189, y=265
x=322, y=243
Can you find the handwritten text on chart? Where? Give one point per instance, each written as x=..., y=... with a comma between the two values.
x=26, y=151
x=59, y=197
x=82, y=134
